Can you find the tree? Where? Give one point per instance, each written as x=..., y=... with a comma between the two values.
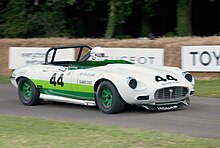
x=148, y=11
x=26, y=19
x=110, y=29
x=118, y=11
x=184, y=26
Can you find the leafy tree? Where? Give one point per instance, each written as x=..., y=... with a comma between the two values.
x=13, y=21
x=26, y=18
x=184, y=26
x=118, y=11
x=52, y=18
x=147, y=11
x=86, y=18
x=103, y=18
x=111, y=21
x=2, y=4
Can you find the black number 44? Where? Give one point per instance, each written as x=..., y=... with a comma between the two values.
x=59, y=80
x=168, y=77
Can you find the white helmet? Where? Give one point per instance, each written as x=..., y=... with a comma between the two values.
x=97, y=54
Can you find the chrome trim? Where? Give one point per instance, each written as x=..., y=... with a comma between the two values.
x=67, y=100
x=171, y=93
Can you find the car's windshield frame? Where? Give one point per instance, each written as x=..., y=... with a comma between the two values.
x=81, y=47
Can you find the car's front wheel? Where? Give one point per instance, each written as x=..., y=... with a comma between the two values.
x=28, y=93
x=108, y=99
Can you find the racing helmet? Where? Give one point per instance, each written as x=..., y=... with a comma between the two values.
x=97, y=54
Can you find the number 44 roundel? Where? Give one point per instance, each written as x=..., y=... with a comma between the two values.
x=59, y=80
x=168, y=77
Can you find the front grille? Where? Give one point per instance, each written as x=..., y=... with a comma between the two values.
x=170, y=93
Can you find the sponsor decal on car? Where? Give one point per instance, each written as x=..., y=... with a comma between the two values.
x=169, y=83
x=167, y=107
x=87, y=74
x=85, y=82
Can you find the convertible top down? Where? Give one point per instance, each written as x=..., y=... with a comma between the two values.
x=89, y=79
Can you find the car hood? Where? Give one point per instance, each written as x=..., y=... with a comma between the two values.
x=133, y=69
x=149, y=74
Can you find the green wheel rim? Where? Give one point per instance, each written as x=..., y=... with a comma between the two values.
x=107, y=97
x=27, y=91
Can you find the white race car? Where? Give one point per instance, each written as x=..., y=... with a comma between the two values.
x=109, y=84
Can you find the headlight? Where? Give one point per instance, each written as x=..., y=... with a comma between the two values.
x=132, y=82
x=188, y=76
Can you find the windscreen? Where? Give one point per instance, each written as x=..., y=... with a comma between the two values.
x=67, y=54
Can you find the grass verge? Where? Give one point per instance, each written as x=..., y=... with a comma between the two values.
x=4, y=79
x=208, y=88
x=22, y=132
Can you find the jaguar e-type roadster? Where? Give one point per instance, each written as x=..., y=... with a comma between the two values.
x=108, y=84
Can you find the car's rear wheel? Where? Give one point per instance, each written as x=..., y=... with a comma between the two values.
x=108, y=99
x=28, y=93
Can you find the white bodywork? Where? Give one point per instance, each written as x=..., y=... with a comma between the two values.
x=156, y=85
x=115, y=73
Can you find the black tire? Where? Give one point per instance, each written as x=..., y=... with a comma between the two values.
x=28, y=93
x=108, y=99
x=183, y=106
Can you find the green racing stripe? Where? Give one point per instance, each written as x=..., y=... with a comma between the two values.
x=69, y=90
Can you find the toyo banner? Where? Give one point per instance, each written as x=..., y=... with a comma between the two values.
x=201, y=58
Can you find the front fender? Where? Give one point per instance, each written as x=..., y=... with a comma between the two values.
x=120, y=82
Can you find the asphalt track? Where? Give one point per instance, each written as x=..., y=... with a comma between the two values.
x=200, y=119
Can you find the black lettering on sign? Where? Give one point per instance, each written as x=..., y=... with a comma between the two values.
x=142, y=60
x=194, y=57
x=151, y=59
x=202, y=59
x=217, y=57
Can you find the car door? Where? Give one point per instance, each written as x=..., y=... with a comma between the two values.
x=83, y=84
x=60, y=76
x=54, y=80
x=54, y=77
x=68, y=82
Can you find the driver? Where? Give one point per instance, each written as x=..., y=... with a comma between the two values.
x=97, y=54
